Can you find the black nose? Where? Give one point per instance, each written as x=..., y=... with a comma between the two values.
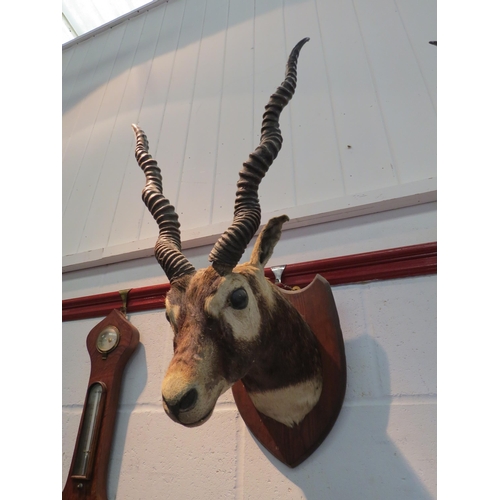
x=185, y=403
x=188, y=400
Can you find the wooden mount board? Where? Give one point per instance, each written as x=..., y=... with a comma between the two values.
x=293, y=445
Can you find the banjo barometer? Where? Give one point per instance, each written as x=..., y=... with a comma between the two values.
x=110, y=345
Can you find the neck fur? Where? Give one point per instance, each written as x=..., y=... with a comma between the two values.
x=288, y=352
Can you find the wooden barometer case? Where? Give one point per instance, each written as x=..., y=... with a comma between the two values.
x=110, y=345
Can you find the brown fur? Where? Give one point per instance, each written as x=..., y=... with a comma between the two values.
x=267, y=344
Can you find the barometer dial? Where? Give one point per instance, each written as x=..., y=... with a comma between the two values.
x=108, y=339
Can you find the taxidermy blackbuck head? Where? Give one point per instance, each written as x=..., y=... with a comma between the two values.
x=229, y=321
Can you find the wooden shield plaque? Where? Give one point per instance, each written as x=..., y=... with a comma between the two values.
x=293, y=445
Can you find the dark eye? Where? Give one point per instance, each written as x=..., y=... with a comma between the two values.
x=239, y=299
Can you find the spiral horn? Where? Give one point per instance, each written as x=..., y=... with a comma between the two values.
x=168, y=246
x=228, y=250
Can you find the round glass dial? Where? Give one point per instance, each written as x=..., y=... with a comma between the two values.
x=108, y=339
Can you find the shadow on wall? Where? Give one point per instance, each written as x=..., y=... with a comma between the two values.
x=120, y=60
x=134, y=381
x=358, y=459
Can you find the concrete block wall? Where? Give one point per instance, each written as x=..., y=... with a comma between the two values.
x=383, y=445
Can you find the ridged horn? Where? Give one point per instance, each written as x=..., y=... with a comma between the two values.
x=229, y=248
x=168, y=246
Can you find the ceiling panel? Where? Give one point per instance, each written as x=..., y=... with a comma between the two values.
x=81, y=16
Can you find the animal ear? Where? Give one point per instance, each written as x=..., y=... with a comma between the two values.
x=267, y=240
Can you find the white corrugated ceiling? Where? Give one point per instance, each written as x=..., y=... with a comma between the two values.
x=81, y=16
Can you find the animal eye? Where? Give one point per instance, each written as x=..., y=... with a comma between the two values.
x=239, y=299
x=166, y=316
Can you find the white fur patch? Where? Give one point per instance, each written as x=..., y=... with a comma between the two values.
x=172, y=312
x=288, y=405
x=245, y=323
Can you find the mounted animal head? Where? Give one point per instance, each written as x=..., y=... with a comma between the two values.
x=229, y=321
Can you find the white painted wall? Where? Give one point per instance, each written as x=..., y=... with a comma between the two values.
x=359, y=135
x=196, y=76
